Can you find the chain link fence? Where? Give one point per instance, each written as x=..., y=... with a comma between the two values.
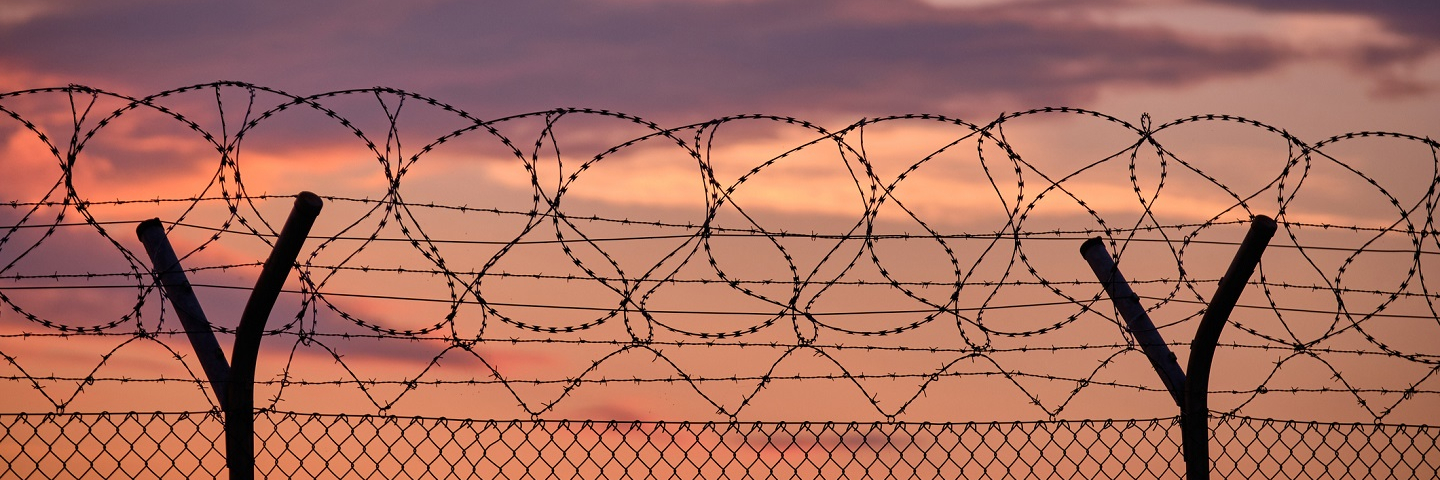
x=111, y=445
x=302, y=445
x=400, y=447
x=1262, y=448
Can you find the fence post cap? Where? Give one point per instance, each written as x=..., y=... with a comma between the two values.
x=309, y=201
x=148, y=225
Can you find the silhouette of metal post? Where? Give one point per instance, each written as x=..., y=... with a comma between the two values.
x=1190, y=388
x=240, y=408
x=1136, y=320
x=233, y=384
x=1195, y=413
x=167, y=270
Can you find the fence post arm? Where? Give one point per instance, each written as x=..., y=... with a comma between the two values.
x=165, y=267
x=240, y=409
x=1195, y=412
x=1136, y=320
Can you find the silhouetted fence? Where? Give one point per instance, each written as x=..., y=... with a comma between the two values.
x=890, y=289
x=306, y=445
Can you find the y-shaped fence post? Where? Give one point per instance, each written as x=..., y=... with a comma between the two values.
x=1190, y=388
x=240, y=407
x=1195, y=416
x=234, y=384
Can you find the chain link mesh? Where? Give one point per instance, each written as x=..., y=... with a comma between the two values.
x=187, y=445
x=112, y=445
x=1264, y=448
x=409, y=447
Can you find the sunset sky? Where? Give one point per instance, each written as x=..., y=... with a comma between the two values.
x=1312, y=68
x=1317, y=67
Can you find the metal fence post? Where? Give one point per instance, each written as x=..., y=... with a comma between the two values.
x=234, y=383
x=240, y=407
x=167, y=270
x=1136, y=320
x=1195, y=412
x=1190, y=388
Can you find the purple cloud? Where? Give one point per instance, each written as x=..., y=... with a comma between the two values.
x=663, y=59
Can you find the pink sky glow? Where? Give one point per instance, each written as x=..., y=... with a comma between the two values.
x=1313, y=69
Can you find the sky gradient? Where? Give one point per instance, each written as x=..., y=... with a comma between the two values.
x=1282, y=62
x=1314, y=69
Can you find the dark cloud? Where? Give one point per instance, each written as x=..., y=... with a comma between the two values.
x=1412, y=22
x=682, y=60
x=1413, y=18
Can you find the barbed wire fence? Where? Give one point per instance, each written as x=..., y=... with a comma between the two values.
x=584, y=293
